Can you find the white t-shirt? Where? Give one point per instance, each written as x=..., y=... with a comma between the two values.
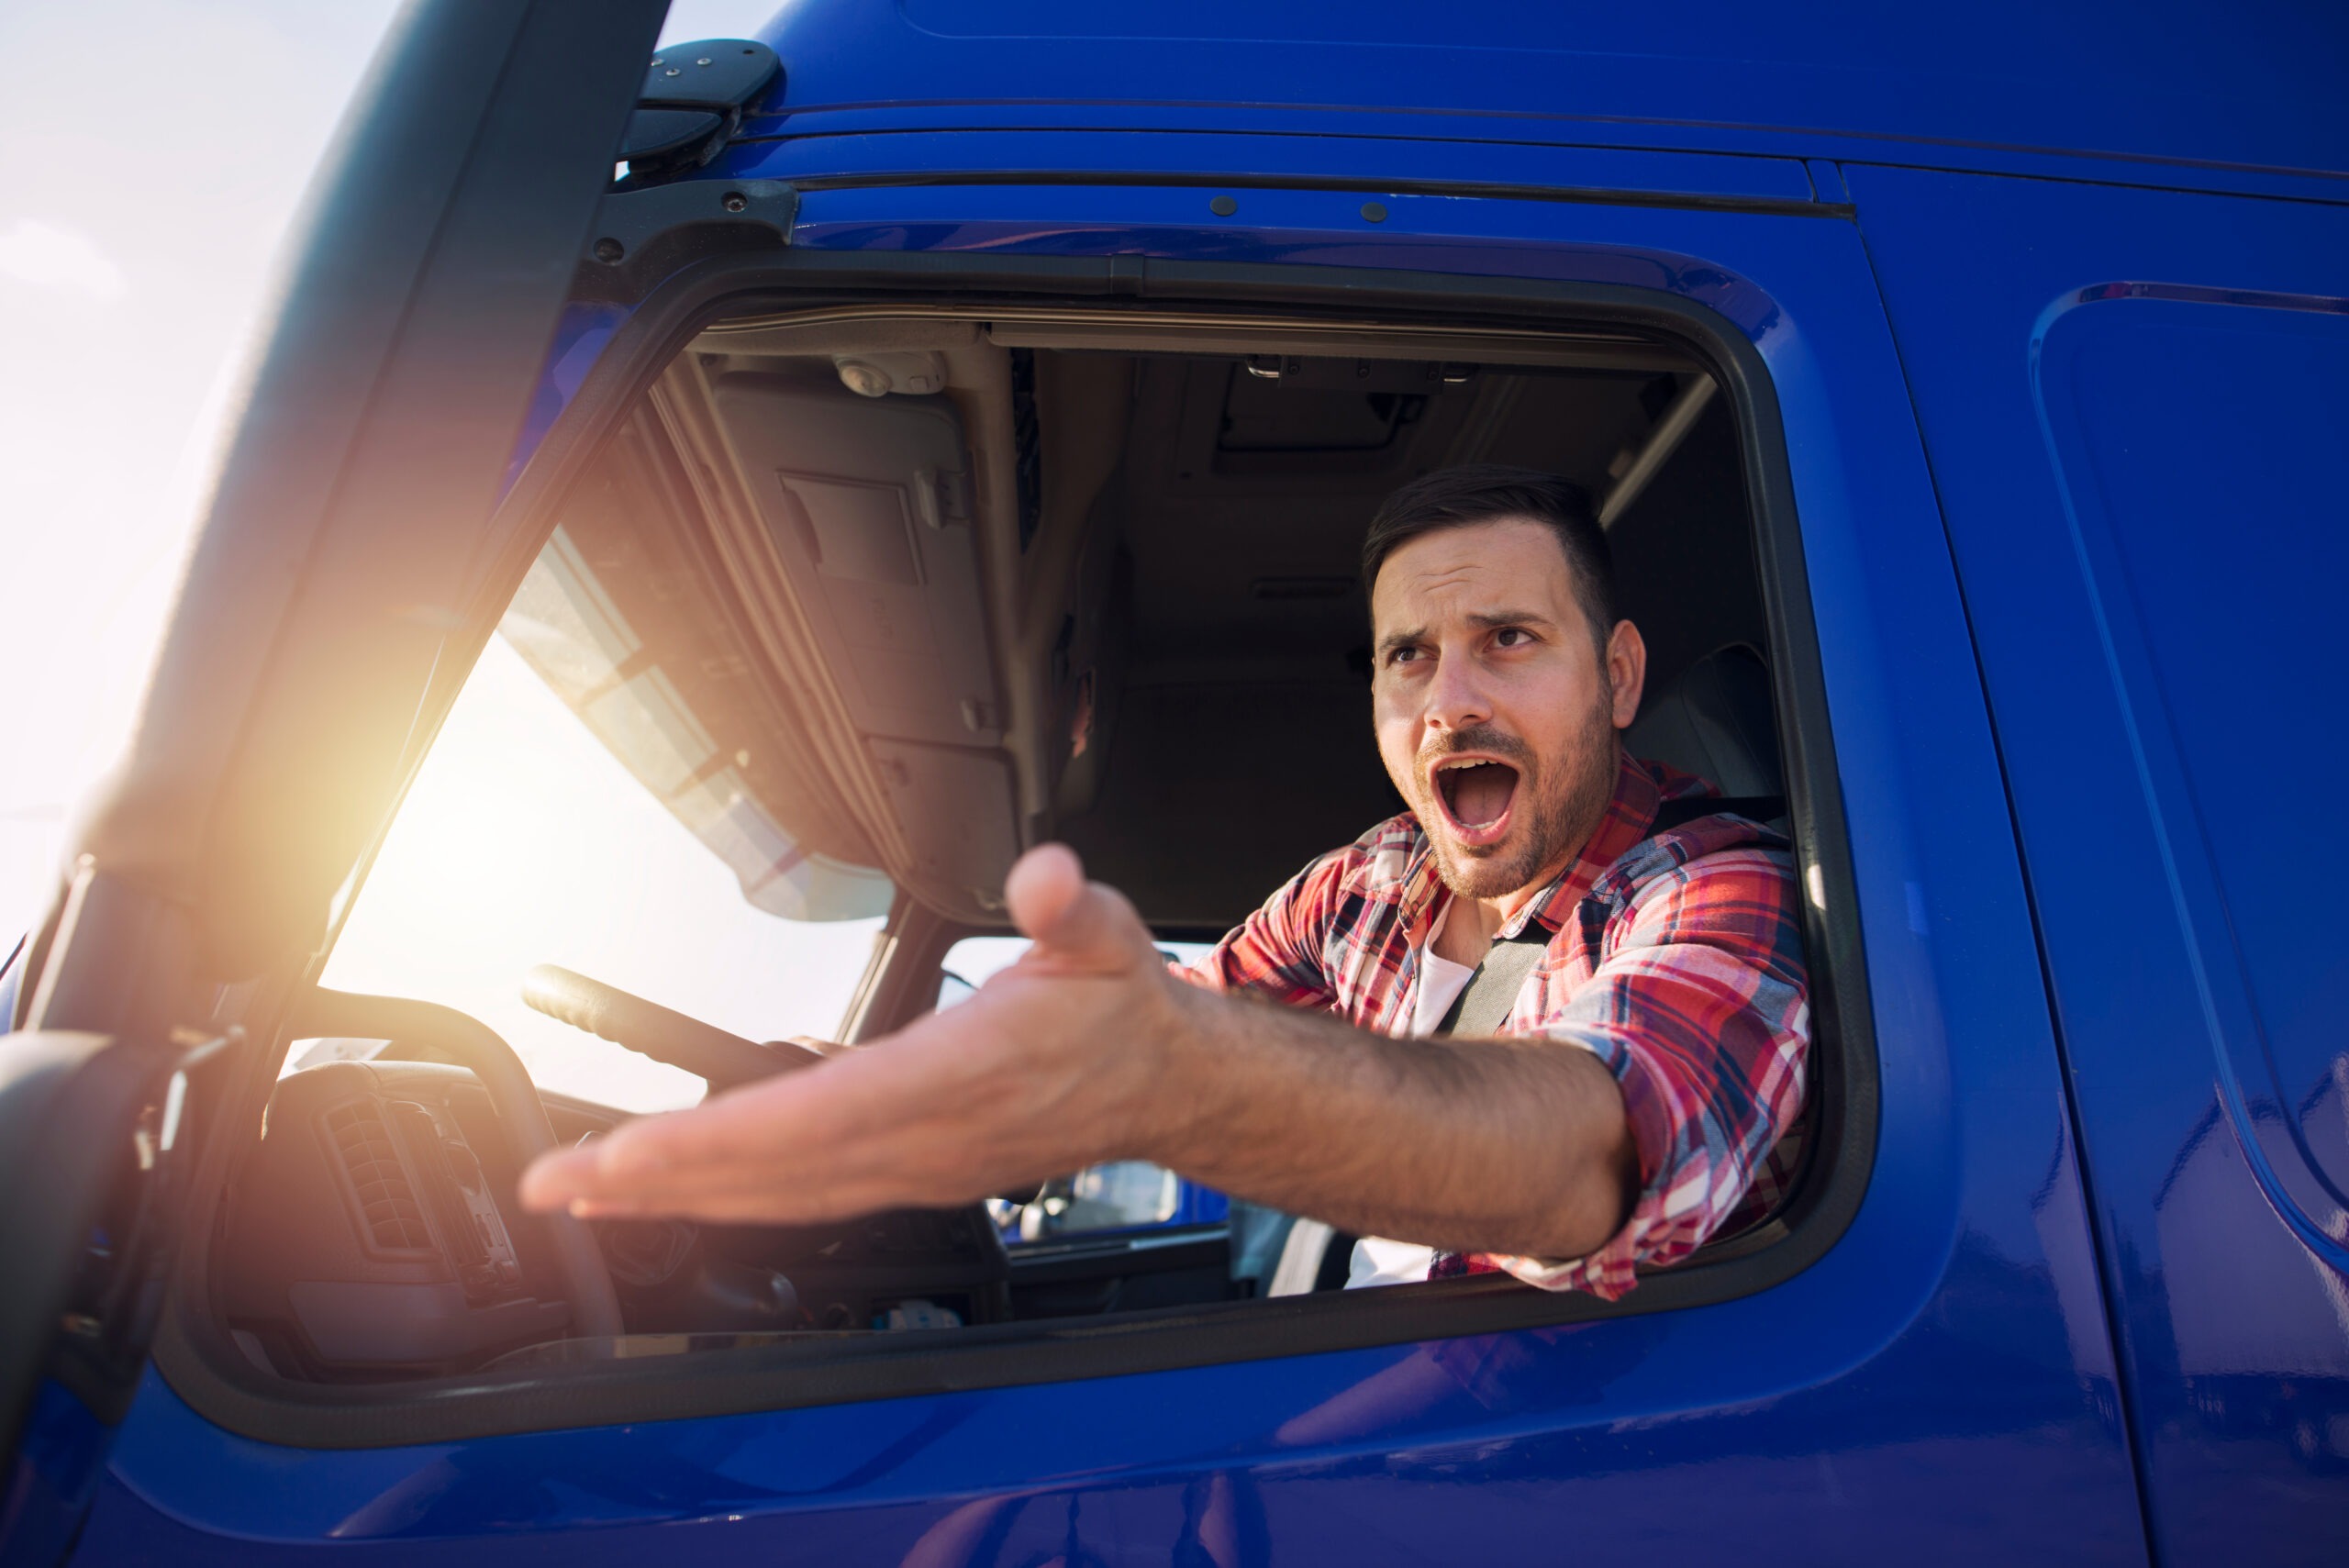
x=1376, y=1260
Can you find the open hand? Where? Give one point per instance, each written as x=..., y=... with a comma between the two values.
x=1056, y=1063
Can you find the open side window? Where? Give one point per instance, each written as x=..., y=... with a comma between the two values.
x=860, y=602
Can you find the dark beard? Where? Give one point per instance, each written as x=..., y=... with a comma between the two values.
x=1566, y=807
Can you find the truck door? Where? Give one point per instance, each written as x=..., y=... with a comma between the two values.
x=1916, y=1364
x=324, y=590
x=2134, y=407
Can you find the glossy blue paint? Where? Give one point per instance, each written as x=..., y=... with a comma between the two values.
x=2235, y=97
x=1099, y=157
x=51, y=1478
x=1196, y=1205
x=580, y=338
x=1940, y=1385
x=2135, y=419
x=2167, y=410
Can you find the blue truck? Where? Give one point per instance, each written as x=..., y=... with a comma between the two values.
x=929, y=429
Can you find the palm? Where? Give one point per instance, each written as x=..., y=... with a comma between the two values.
x=1038, y=1073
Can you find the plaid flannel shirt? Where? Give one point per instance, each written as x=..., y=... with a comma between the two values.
x=1675, y=959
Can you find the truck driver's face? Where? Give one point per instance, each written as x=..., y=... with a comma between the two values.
x=1495, y=715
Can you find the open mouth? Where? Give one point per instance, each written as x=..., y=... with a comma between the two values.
x=1476, y=793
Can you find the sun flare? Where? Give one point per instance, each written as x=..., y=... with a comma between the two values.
x=525, y=843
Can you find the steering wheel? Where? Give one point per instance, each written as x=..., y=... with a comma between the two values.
x=595, y=1306
x=723, y=1060
x=709, y=1052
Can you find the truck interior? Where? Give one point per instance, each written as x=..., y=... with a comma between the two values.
x=870, y=598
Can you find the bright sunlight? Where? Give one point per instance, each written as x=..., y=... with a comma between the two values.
x=525, y=843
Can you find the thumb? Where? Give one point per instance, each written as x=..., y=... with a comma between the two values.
x=1068, y=918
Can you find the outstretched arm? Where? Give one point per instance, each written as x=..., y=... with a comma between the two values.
x=1086, y=1049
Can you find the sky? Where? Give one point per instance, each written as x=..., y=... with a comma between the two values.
x=143, y=206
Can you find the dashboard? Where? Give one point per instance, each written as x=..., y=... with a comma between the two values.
x=371, y=1234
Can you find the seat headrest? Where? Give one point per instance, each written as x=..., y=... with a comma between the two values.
x=1715, y=721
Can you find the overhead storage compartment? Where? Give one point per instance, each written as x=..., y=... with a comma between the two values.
x=868, y=501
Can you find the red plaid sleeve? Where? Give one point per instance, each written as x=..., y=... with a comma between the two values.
x=1281, y=952
x=1699, y=1007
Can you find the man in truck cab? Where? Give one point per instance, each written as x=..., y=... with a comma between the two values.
x=1551, y=1019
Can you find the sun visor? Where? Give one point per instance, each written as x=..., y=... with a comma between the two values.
x=868, y=505
x=868, y=501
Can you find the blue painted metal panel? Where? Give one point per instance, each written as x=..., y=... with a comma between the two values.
x=1938, y=1387
x=53, y=1477
x=2198, y=437
x=1196, y=1205
x=1473, y=133
x=581, y=336
x=2134, y=409
x=2245, y=87
x=1102, y=156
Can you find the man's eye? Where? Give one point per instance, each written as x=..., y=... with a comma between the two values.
x=1512, y=636
x=1403, y=656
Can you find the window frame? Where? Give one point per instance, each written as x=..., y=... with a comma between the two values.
x=194, y=1355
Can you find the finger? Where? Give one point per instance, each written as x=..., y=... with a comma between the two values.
x=828, y=1117
x=560, y=1182
x=809, y=1043
x=1086, y=923
x=1041, y=886
x=759, y=1207
x=640, y=1156
x=783, y=1196
x=897, y=1173
x=555, y=1179
x=725, y=1131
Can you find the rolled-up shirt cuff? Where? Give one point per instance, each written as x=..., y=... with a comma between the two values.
x=1611, y=1271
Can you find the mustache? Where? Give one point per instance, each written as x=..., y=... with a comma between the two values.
x=1480, y=737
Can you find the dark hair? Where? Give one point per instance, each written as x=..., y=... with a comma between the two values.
x=1486, y=492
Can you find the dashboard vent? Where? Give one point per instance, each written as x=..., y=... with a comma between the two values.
x=393, y=1218
x=461, y=1230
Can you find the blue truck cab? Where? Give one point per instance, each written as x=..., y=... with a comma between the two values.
x=929, y=429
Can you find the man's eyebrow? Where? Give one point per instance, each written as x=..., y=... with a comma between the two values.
x=1496, y=619
x=1483, y=621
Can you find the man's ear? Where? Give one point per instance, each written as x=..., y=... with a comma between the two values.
x=1627, y=671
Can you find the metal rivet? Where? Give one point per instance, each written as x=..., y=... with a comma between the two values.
x=703, y=61
x=656, y=60
x=734, y=201
x=1373, y=211
x=609, y=250
x=673, y=71
x=1223, y=206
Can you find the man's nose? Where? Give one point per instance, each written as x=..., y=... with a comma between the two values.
x=1456, y=697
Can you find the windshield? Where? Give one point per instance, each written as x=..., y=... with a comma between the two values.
x=525, y=842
